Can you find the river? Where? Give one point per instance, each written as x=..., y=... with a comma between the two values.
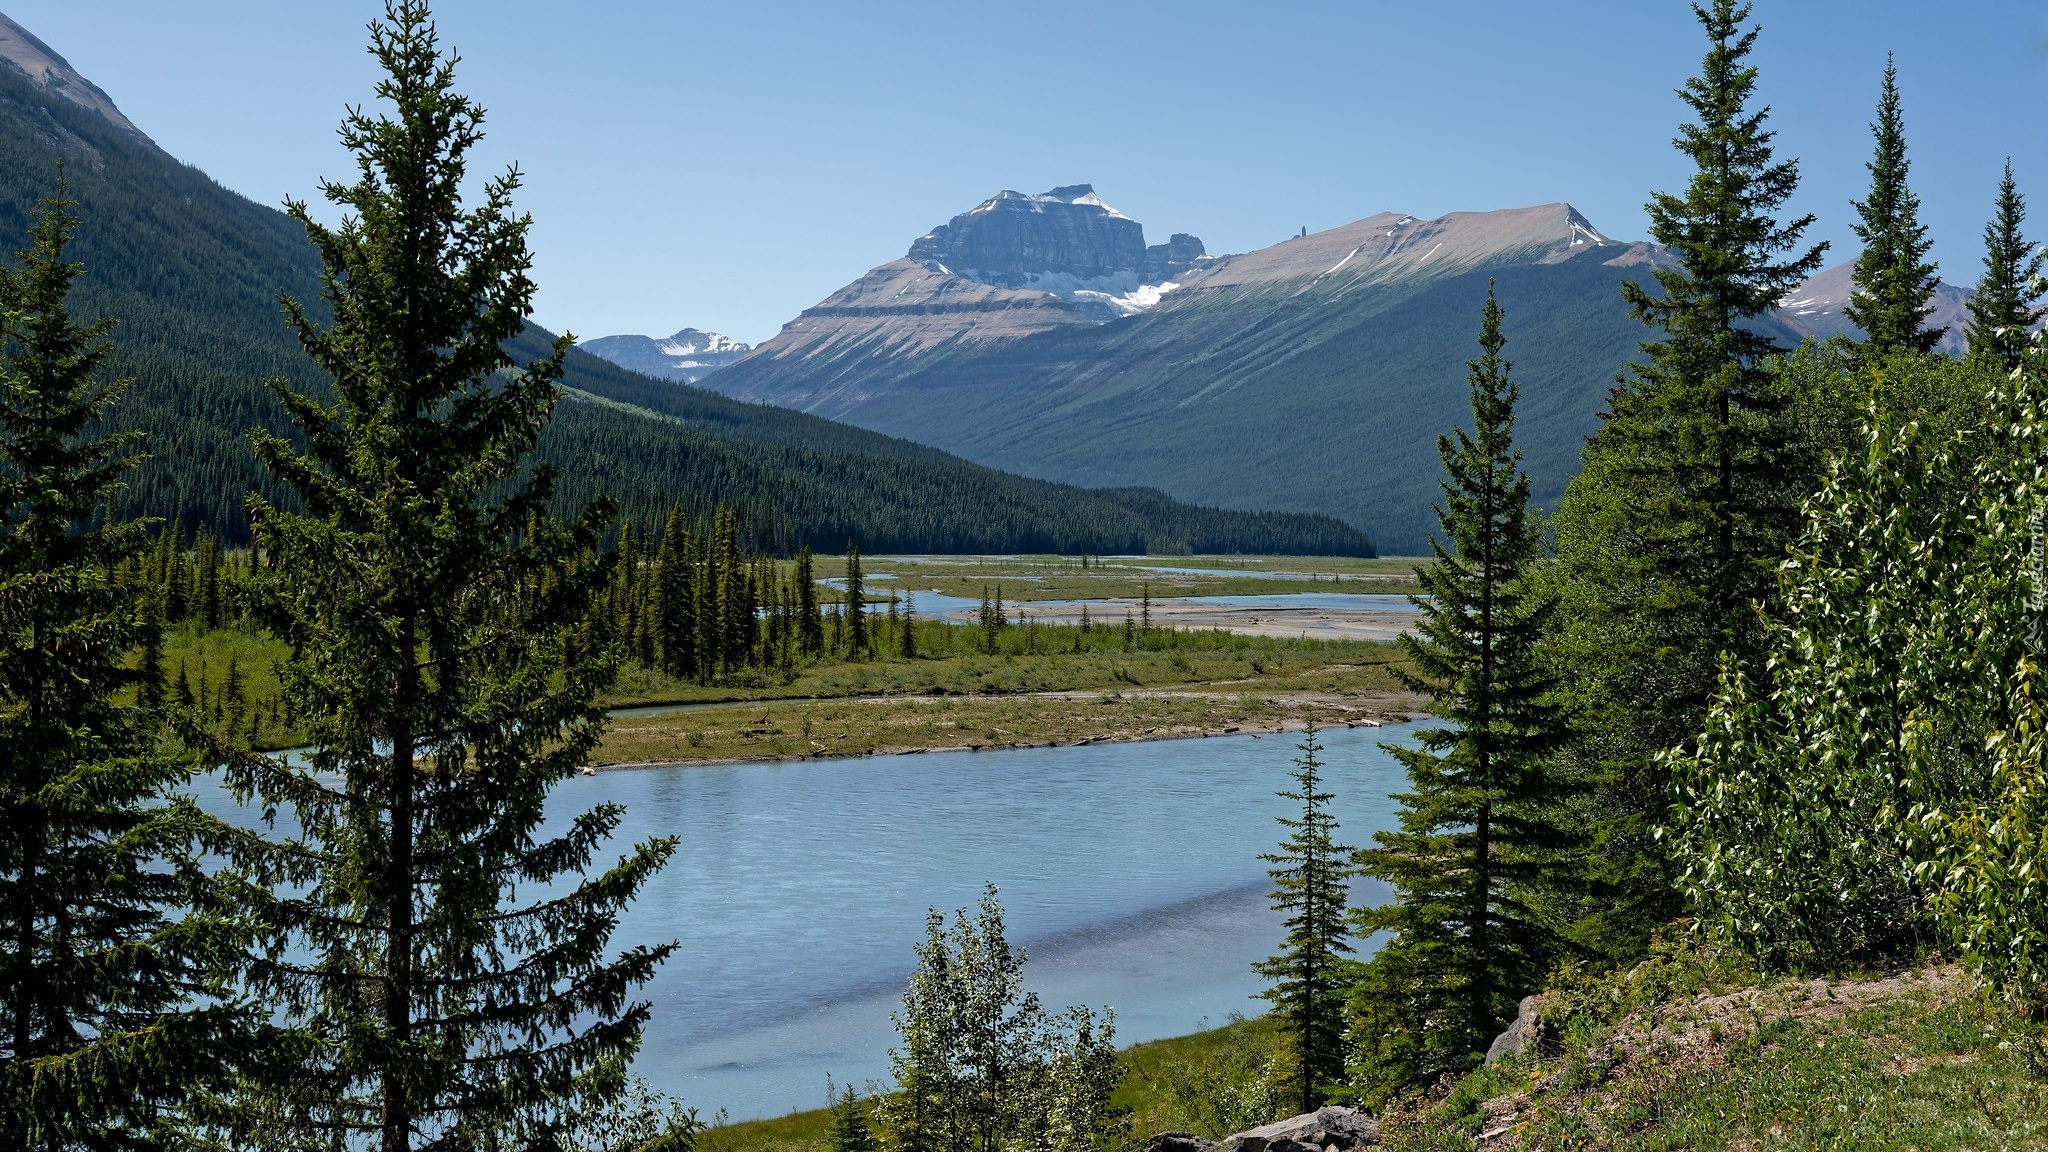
x=1129, y=871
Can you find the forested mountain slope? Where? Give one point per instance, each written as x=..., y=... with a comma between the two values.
x=192, y=273
x=1313, y=375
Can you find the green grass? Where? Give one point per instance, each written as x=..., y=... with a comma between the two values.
x=1678, y=1060
x=1183, y=1083
x=1032, y=658
x=1043, y=658
x=1913, y=1074
x=201, y=656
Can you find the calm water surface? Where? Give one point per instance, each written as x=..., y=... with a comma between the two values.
x=1129, y=871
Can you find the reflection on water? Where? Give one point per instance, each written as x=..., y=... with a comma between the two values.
x=1130, y=872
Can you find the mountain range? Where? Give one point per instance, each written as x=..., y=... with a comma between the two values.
x=688, y=356
x=1039, y=333
x=192, y=273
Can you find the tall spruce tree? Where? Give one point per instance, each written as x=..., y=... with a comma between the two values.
x=734, y=616
x=1894, y=279
x=2004, y=305
x=856, y=605
x=1690, y=489
x=1311, y=975
x=442, y=958
x=675, y=599
x=810, y=627
x=1483, y=860
x=102, y=957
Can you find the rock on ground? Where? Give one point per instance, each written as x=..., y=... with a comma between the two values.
x=1330, y=1129
x=1527, y=1029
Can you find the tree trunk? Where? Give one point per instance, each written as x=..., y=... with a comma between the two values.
x=398, y=1104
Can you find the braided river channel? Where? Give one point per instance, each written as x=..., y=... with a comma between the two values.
x=1130, y=872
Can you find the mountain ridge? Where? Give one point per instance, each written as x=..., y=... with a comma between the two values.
x=1233, y=385
x=1232, y=388
x=192, y=272
x=687, y=356
x=38, y=63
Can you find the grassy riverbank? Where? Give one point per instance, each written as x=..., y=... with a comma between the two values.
x=1046, y=683
x=1190, y=684
x=1677, y=1052
x=1028, y=578
x=1680, y=1053
x=1206, y=1082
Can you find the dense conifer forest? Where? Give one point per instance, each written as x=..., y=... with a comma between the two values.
x=192, y=272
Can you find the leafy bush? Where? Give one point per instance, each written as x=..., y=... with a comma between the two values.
x=1880, y=780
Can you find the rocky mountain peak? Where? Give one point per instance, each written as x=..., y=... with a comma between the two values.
x=1066, y=241
x=688, y=356
x=30, y=58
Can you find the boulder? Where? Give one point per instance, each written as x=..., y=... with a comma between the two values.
x=1179, y=1142
x=1330, y=1129
x=1527, y=1035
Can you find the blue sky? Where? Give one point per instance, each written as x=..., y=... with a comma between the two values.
x=725, y=165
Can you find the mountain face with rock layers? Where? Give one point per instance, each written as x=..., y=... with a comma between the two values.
x=1066, y=242
x=686, y=357
x=1011, y=267
x=1312, y=374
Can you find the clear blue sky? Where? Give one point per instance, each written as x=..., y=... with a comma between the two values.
x=725, y=165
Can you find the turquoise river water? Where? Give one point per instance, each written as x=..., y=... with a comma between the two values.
x=1130, y=873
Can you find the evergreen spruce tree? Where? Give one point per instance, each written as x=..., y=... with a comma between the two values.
x=747, y=617
x=234, y=694
x=1690, y=489
x=734, y=615
x=177, y=598
x=625, y=590
x=675, y=599
x=856, y=606
x=704, y=608
x=441, y=958
x=850, y=1131
x=149, y=692
x=1311, y=974
x=2004, y=305
x=1482, y=861
x=206, y=579
x=102, y=956
x=909, y=650
x=810, y=628
x=1894, y=280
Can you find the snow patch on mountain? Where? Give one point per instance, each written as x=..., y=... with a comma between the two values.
x=690, y=342
x=687, y=357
